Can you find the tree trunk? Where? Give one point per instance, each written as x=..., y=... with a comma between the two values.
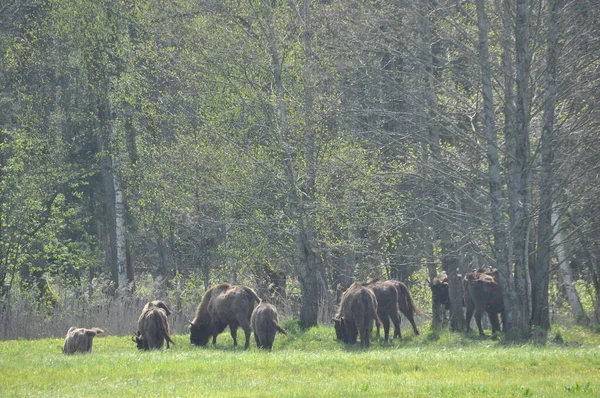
x=299, y=203
x=567, y=274
x=119, y=201
x=540, y=316
x=498, y=225
x=520, y=175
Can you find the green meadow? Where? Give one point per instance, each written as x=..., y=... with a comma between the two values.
x=309, y=364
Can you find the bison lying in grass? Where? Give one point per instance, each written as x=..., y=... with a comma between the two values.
x=355, y=316
x=80, y=340
x=223, y=305
x=482, y=293
x=264, y=324
x=153, y=326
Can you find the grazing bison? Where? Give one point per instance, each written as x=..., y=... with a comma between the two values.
x=387, y=306
x=482, y=293
x=153, y=326
x=439, y=290
x=80, y=340
x=355, y=315
x=223, y=305
x=264, y=324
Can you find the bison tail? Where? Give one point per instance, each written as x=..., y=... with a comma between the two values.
x=163, y=305
x=279, y=328
x=162, y=324
x=405, y=295
x=252, y=294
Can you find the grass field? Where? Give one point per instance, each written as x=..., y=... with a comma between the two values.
x=308, y=364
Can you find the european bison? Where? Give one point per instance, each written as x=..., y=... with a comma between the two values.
x=153, y=326
x=80, y=340
x=264, y=324
x=482, y=293
x=387, y=306
x=439, y=290
x=356, y=312
x=223, y=305
x=406, y=305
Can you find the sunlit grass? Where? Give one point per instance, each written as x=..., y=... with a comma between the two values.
x=309, y=363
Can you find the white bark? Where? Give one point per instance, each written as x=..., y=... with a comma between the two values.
x=121, y=251
x=567, y=275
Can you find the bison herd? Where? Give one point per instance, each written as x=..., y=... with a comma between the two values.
x=361, y=306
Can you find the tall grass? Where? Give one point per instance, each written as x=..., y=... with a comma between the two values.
x=308, y=363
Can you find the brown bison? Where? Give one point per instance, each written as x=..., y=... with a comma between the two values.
x=80, y=340
x=223, y=305
x=482, y=293
x=355, y=315
x=387, y=306
x=406, y=305
x=439, y=290
x=264, y=324
x=153, y=326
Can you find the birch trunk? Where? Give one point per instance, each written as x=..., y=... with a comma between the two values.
x=567, y=274
x=120, y=249
x=540, y=309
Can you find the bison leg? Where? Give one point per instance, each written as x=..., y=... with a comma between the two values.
x=247, y=333
x=396, y=321
x=257, y=340
x=478, y=314
x=411, y=318
x=494, y=321
x=386, y=328
x=233, y=331
x=351, y=332
x=469, y=314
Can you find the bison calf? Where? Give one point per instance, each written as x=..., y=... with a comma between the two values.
x=80, y=340
x=264, y=324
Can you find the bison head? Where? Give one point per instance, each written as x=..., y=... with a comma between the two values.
x=439, y=290
x=139, y=340
x=341, y=330
x=199, y=334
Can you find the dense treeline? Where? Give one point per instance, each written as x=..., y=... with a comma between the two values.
x=311, y=143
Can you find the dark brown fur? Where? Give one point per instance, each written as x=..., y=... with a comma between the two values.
x=223, y=305
x=406, y=305
x=387, y=306
x=356, y=312
x=159, y=304
x=264, y=324
x=80, y=340
x=482, y=293
x=153, y=328
x=439, y=290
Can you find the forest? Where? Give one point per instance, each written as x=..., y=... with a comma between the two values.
x=151, y=149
